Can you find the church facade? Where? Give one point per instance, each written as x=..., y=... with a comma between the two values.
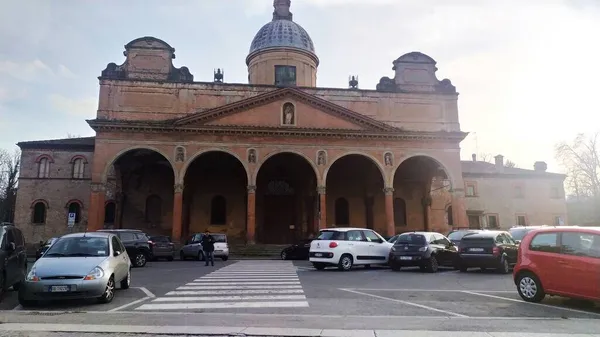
x=267, y=162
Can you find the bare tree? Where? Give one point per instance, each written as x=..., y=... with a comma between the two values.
x=511, y=164
x=485, y=157
x=9, y=175
x=70, y=135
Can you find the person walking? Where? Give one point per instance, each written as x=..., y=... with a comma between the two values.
x=208, y=247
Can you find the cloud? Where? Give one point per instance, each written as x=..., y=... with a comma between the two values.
x=25, y=71
x=65, y=72
x=82, y=108
x=12, y=94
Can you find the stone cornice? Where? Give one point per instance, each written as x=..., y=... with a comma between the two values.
x=262, y=131
x=545, y=175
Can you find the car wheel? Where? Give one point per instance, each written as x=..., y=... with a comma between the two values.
x=16, y=286
x=530, y=288
x=345, y=262
x=2, y=285
x=109, y=291
x=318, y=266
x=200, y=256
x=504, y=268
x=284, y=255
x=170, y=258
x=433, y=265
x=463, y=269
x=23, y=302
x=225, y=258
x=126, y=282
x=181, y=256
x=140, y=259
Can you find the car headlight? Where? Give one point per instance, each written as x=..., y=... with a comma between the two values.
x=422, y=249
x=393, y=249
x=96, y=273
x=32, y=277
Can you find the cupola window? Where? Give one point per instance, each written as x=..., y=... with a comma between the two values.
x=285, y=76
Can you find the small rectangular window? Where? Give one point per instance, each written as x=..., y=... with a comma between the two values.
x=545, y=242
x=493, y=221
x=285, y=76
x=470, y=190
x=521, y=220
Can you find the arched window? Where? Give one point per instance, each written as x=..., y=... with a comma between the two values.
x=78, y=168
x=154, y=209
x=399, y=212
x=43, y=168
x=342, y=212
x=449, y=215
x=109, y=212
x=39, y=212
x=218, y=210
x=75, y=207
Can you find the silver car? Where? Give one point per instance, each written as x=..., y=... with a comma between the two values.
x=78, y=266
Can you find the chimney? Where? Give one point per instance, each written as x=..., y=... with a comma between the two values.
x=499, y=162
x=474, y=156
x=540, y=166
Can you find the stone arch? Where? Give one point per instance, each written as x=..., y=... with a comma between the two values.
x=365, y=155
x=133, y=148
x=274, y=153
x=438, y=161
x=44, y=156
x=78, y=156
x=76, y=201
x=191, y=159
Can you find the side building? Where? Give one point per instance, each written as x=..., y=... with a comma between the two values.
x=497, y=196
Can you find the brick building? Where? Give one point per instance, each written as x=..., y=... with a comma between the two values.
x=265, y=162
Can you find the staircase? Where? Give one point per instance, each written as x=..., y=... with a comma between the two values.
x=256, y=251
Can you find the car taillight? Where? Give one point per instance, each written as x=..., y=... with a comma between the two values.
x=333, y=244
x=496, y=251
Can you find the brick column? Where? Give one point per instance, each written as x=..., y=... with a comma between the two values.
x=177, y=213
x=96, y=212
x=251, y=215
x=389, y=211
x=459, y=209
x=322, y=207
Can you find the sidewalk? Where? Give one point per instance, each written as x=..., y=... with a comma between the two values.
x=250, y=331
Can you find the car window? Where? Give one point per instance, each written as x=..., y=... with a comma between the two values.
x=442, y=240
x=141, y=236
x=219, y=237
x=126, y=236
x=79, y=246
x=371, y=236
x=411, y=239
x=330, y=235
x=509, y=239
x=116, y=246
x=197, y=238
x=457, y=235
x=355, y=236
x=393, y=238
x=578, y=244
x=518, y=233
x=500, y=239
x=159, y=239
x=545, y=242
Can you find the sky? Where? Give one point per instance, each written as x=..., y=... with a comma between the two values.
x=527, y=71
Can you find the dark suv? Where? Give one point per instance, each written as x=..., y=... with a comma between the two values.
x=13, y=258
x=136, y=243
x=489, y=249
x=427, y=250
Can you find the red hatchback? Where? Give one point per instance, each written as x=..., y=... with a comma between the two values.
x=562, y=261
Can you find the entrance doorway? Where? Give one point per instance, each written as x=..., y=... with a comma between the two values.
x=280, y=213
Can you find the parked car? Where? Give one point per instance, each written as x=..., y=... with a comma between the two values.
x=561, y=261
x=519, y=232
x=193, y=247
x=44, y=247
x=393, y=239
x=346, y=247
x=298, y=251
x=426, y=250
x=78, y=266
x=162, y=247
x=13, y=258
x=136, y=243
x=456, y=235
x=488, y=249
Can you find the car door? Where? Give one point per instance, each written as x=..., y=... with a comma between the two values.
x=511, y=247
x=544, y=251
x=379, y=249
x=358, y=246
x=128, y=240
x=449, y=250
x=196, y=245
x=119, y=262
x=581, y=271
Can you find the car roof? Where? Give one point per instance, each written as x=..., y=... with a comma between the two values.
x=119, y=230
x=344, y=229
x=87, y=234
x=484, y=234
x=568, y=229
x=420, y=233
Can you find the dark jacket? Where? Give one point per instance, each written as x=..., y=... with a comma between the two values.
x=208, y=243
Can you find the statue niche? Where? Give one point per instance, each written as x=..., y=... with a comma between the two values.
x=288, y=114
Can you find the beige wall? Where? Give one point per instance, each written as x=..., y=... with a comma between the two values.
x=261, y=69
x=497, y=195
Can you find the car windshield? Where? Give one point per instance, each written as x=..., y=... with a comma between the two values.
x=330, y=235
x=458, y=235
x=519, y=233
x=79, y=246
x=411, y=239
x=50, y=241
x=219, y=237
x=160, y=239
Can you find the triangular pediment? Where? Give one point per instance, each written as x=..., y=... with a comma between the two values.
x=285, y=108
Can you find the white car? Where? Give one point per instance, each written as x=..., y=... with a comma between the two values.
x=346, y=247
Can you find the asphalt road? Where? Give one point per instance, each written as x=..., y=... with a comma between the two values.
x=283, y=293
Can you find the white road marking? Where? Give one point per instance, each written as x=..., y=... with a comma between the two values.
x=407, y=303
x=434, y=290
x=222, y=305
x=214, y=283
x=239, y=287
x=235, y=292
x=149, y=295
x=537, y=304
x=146, y=291
x=230, y=298
x=249, y=278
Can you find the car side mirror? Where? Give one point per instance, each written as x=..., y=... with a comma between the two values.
x=117, y=253
x=11, y=247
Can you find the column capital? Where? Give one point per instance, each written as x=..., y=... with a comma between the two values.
x=321, y=189
x=251, y=188
x=178, y=188
x=97, y=187
x=388, y=191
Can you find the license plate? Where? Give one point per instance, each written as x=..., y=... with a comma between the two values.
x=59, y=289
x=218, y=251
x=318, y=254
x=476, y=249
x=405, y=257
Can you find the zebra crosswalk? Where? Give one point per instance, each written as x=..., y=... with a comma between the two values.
x=245, y=284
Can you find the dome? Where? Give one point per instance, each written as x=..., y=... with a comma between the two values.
x=282, y=33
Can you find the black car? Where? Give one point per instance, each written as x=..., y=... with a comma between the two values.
x=297, y=251
x=136, y=243
x=427, y=250
x=44, y=247
x=489, y=249
x=13, y=258
x=456, y=235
